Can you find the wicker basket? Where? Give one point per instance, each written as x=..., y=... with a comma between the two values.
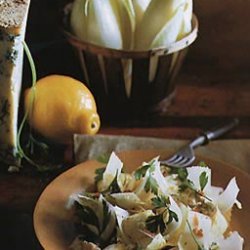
x=131, y=84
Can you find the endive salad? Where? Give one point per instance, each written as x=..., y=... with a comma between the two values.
x=155, y=207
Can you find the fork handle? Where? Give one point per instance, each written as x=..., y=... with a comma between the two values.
x=209, y=135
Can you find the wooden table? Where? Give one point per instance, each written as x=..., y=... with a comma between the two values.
x=200, y=103
x=213, y=87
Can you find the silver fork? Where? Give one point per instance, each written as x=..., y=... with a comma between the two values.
x=185, y=156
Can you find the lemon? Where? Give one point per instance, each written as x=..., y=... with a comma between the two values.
x=61, y=107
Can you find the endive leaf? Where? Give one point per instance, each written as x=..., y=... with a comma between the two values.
x=78, y=19
x=233, y=241
x=158, y=13
x=140, y=7
x=102, y=27
x=187, y=20
x=228, y=198
x=98, y=21
x=125, y=15
x=170, y=31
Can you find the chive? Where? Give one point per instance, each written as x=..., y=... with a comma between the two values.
x=20, y=150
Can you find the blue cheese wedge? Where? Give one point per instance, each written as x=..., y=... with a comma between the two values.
x=13, y=18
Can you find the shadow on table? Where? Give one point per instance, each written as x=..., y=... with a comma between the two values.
x=17, y=232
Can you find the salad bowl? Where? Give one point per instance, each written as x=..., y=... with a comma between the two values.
x=54, y=221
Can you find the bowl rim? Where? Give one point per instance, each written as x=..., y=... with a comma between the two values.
x=104, y=51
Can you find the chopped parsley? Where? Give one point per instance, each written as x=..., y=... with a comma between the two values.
x=202, y=164
x=114, y=187
x=151, y=185
x=89, y=226
x=99, y=174
x=186, y=184
x=159, y=222
x=141, y=172
x=155, y=223
x=182, y=173
x=203, y=180
x=160, y=201
x=104, y=158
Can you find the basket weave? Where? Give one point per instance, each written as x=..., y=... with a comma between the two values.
x=124, y=83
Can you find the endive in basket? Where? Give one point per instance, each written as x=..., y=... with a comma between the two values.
x=125, y=16
x=140, y=7
x=108, y=23
x=162, y=23
x=186, y=22
x=95, y=21
x=172, y=21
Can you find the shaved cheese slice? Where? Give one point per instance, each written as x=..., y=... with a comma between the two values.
x=175, y=225
x=233, y=242
x=194, y=174
x=201, y=229
x=173, y=236
x=228, y=198
x=214, y=192
x=219, y=224
x=113, y=170
x=161, y=181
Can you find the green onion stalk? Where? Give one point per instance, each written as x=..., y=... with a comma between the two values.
x=20, y=152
